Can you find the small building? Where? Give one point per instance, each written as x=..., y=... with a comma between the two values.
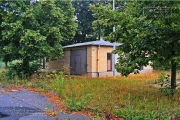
x=93, y=58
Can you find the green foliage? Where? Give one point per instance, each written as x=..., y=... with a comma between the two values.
x=159, y=66
x=167, y=114
x=165, y=83
x=168, y=91
x=2, y=64
x=99, y=116
x=146, y=31
x=76, y=104
x=31, y=31
x=21, y=71
x=71, y=102
x=84, y=20
x=130, y=113
x=58, y=82
x=161, y=78
x=3, y=76
x=121, y=95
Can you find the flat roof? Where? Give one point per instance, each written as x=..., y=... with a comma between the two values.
x=96, y=43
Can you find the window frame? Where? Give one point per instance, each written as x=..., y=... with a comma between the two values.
x=109, y=57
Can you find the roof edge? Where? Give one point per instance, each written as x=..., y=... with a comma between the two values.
x=95, y=43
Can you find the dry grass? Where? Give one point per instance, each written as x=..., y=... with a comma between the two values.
x=122, y=96
x=120, y=93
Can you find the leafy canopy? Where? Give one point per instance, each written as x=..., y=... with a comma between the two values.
x=33, y=30
x=149, y=32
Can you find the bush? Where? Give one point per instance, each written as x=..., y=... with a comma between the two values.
x=165, y=83
x=17, y=69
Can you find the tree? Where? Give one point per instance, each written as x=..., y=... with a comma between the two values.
x=84, y=19
x=101, y=12
x=33, y=30
x=149, y=31
x=6, y=58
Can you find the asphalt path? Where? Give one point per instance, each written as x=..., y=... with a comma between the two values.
x=25, y=105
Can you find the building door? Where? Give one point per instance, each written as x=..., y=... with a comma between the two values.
x=78, y=61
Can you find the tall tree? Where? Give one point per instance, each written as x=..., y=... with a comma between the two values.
x=5, y=58
x=149, y=31
x=84, y=19
x=33, y=30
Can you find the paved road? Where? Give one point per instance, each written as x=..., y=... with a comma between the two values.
x=25, y=105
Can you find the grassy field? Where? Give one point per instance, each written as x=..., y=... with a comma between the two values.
x=134, y=97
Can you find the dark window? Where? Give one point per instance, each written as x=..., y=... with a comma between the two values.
x=109, y=62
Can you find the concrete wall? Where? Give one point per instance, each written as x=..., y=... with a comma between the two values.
x=63, y=64
x=103, y=58
x=91, y=59
x=147, y=68
x=97, y=61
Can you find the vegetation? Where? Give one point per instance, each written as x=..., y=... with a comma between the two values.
x=134, y=97
x=149, y=31
x=1, y=65
x=34, y=30
x=84, y=18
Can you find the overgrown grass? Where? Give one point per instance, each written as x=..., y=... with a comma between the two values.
x=133, y=97
x=128, y=97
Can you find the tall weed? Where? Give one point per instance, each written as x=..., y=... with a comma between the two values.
x=58, y=82
x=74, y=104
x=165, y=85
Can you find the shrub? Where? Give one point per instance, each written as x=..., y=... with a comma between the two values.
x=77, y=104
x=165, y=83
x=17, y=69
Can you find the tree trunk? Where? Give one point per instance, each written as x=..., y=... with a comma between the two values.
x=173, y=74
x=26, y=65
x=6, y=64
x=44, y=63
